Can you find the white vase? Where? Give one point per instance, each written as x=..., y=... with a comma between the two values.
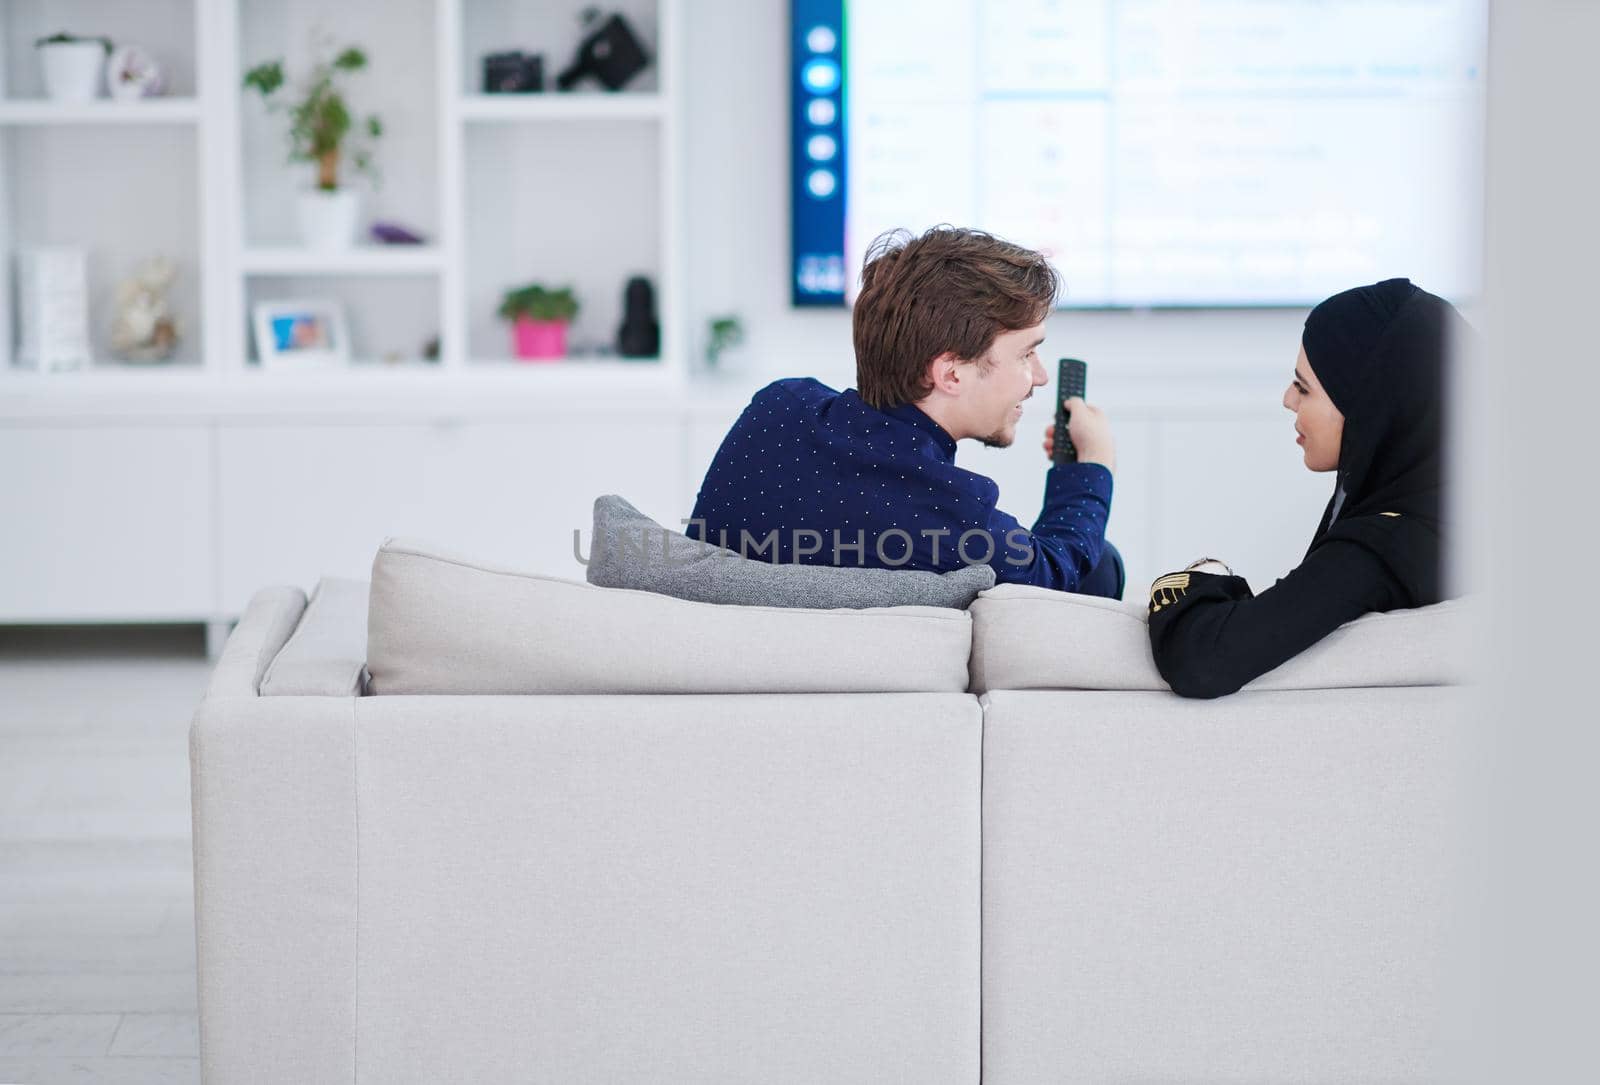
x=329, y=220
x=74, y=71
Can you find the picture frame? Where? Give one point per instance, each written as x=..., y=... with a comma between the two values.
x=300, y=334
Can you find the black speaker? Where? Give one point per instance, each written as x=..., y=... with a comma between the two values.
x=640, y=334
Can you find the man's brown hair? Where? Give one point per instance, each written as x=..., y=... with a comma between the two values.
x=951, y=290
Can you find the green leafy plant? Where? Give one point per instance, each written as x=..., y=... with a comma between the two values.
x=320, y=121
x=726, y=333
x=64, y=38
x=536, y=302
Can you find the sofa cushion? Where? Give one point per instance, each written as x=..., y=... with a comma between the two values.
x=326, y=655
x=630, y=550
x=1034, y=638
x=442, y=623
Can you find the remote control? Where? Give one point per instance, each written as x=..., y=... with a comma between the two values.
x=1071, y=380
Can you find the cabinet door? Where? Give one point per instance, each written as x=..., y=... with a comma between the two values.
x=301, y=501
x=514, y=492
x=306, y=500
x=105, y=523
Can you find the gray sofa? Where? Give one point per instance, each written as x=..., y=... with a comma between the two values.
x=488, y=826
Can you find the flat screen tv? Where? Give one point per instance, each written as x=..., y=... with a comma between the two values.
x=1164, y=153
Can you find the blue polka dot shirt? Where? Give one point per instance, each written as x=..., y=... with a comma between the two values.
x=811, y=475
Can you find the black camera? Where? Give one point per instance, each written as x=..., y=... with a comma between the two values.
x=513, y=73
x=610, y=53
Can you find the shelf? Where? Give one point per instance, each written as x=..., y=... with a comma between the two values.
x=621, y=106
x=104, y=111
x=561, y=368
x=357, y=260
x=362, y=389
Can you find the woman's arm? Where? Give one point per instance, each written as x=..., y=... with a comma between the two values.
x=1210, y=636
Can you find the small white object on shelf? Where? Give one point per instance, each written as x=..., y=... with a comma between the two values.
x=132, y=73
x=145, y=328
x=53, y=307
x=294, y=335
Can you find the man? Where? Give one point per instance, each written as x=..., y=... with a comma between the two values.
x=947, y=330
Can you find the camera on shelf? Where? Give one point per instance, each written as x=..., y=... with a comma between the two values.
x=610, y=53
x=514, y=72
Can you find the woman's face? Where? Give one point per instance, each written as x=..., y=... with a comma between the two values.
x=1317, y=421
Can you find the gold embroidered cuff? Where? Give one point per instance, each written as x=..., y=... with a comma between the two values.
x=1168, y=590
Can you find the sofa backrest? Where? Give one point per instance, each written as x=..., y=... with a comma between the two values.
x=440, y=623
x=1033, y=638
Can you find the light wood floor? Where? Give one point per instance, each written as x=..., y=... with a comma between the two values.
x=96, y=895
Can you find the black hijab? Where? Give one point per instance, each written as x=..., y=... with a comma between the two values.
x=1380, y=352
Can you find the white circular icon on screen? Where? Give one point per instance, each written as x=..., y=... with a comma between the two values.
x=822, y=183
x=821, y=39
x=821, y=112
x=821, y=148
x=820, y=76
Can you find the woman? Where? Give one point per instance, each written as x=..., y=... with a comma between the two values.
x=1368, y=400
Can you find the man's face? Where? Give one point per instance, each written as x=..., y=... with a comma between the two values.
x=1014, y=371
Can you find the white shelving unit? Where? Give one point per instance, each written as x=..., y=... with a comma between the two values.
x=173, y=492
x=580, y=188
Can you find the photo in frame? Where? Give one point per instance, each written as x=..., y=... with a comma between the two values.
x=300, y=334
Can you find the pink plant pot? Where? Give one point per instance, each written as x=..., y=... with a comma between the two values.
x=540, y=339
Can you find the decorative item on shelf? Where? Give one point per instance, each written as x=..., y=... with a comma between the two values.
x=724, y=338
x=640, y=333
x=145, y=328
x=132, y=73
x=53, y=307
x=74, y=66
x=610, y=52
x=392, y=233
x=430, y=349
x=300, y=334
x=513, y=72
x=321, y=130
x=540, y=317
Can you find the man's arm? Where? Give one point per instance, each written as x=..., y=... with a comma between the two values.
x=1070, y=534
x=1067, y=539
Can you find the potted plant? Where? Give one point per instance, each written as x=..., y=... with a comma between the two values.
x=323, y=130
x=724, y=335
x=539, y=319
x=74, y=66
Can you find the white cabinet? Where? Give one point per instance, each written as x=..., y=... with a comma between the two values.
x=105, y=523
x=304, y=500
x=518, y=489
x=299, y=501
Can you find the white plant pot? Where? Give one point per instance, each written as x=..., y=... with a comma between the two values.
x=74, y=71
x=329, y=220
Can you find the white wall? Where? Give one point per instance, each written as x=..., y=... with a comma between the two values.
x=1221, y=480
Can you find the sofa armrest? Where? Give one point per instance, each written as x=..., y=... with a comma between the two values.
x=268, y=621
x=326, y=655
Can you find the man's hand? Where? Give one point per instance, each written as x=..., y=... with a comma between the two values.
x=1090, y=432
